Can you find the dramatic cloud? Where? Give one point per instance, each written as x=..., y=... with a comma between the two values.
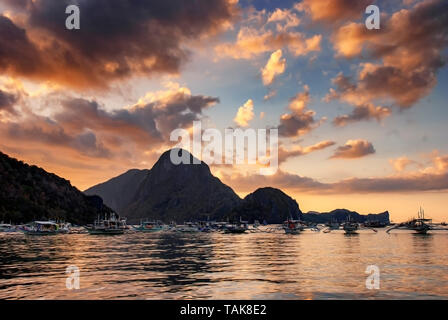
x=245, y=114
x=301, y=120
x=333, y=10
x=117, y=38
x=410, y=48
x=275, y=66
x=284, y=154
x=87, y=127
x=354, y=149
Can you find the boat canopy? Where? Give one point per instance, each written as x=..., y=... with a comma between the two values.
x=52, y=223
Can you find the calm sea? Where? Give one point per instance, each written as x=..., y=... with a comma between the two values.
x=223, y=266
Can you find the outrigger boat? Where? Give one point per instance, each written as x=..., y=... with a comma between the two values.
x=293, y=226
x=149, y=226
x=64, y=227
x=350, y=227
x=205, y=226
x=38, y=228
x=5, y=227
x=112, y=226
x=421, y=225
x=375, y=224
x=238, y=227
x=188, y=227
x=333, y=225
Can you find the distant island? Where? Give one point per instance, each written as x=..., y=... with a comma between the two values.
x=165, y=192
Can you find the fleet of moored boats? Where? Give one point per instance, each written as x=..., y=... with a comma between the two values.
x=114, y=225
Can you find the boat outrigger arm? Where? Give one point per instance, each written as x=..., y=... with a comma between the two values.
x=420, y=225
x=329, y=229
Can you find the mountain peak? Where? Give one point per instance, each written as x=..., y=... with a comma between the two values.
x=270, y=204
x=170, y=191
x=185, y=158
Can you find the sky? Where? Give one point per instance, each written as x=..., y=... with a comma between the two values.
x=361, y=114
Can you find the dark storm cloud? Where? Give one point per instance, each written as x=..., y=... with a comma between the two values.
x=117, y=38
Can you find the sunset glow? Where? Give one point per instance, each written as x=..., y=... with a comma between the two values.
x=361, y=114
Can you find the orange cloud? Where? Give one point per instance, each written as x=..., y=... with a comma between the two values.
x=245, y=114
x=401, y=163
x=333, y=10
x=252, y=42
x=274, y=67
x=284, y=19
x=284, y=154
x=409, y=49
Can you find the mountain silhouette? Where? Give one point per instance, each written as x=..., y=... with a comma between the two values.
x=120, y=191
x=168, y=192
x=270, y=204
x=30, y=193
x=341, y=215
x=188, y=192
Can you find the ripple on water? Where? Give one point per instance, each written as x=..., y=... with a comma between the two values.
x=220, y=266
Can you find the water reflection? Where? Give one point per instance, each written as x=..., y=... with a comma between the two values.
x=219, y=266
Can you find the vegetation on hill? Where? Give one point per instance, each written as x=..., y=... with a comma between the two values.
x=30, y=193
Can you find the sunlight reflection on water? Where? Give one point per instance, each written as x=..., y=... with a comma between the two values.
x=221, y=266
